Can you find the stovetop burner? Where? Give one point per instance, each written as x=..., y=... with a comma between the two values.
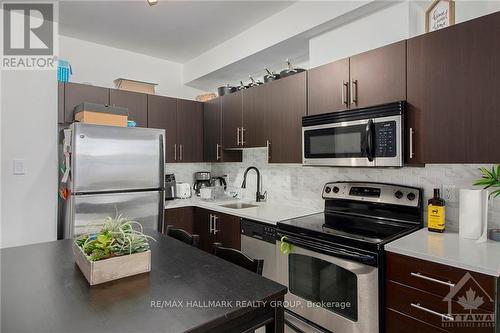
x=356, y=220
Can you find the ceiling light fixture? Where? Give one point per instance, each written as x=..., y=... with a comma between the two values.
x=152, y=2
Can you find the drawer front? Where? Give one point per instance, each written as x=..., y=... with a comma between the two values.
x=441, y=280
x=399, y=323
x=434, y=310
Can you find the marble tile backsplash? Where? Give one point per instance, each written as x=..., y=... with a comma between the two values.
x=297, y=185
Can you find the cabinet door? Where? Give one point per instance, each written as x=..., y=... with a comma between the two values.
x=231, y=119
x=378, y=76
x=255, y=107
x=228, y=230
x=212, y=126
x=453, y=80
x=287, y=106
x=136, y=103
x=328, y=87
x=76, y=93
x=181, y=218
x=202, y=227
x=189, y=131
x=162, y=113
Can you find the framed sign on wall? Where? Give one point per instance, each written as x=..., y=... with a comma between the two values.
x=440, y=14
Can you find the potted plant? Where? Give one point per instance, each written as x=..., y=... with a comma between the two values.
x=118, y=250
x=490, y=179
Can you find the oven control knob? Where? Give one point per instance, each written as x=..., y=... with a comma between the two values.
x=411, y=196
x=336, y=189
x=398, y=194
x=328, y=189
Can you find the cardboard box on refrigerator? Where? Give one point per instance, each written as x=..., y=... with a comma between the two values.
x=99, y=114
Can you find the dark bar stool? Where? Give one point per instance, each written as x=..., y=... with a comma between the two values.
x=238, y=258
x=183, y=236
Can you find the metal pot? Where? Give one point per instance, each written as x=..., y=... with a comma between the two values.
x=253, y=83
x=290, y=70
x=225, y=90
x=271, y=76
x=242, y=86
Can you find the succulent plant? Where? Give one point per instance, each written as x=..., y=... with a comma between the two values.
x=118, y=236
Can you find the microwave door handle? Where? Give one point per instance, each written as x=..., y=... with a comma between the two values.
x=369, y=141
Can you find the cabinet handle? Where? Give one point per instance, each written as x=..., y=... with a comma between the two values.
x=268, y=145
x=175, y=151
x=419, y=275
x=217, y=156
x=211, y=224
x=216, y=229
x=444, y=316
x=243, y=136
x=237, y=136
x=412, y=131
x=344, y=88
x=354, y=91
x=180, y=152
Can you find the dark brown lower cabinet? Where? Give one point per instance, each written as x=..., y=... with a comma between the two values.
x=424, y=296
x=217, y=227
x=181, y=218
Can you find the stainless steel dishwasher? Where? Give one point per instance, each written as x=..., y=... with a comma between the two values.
x=258, y=240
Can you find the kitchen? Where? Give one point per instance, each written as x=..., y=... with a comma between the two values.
x=263, y=126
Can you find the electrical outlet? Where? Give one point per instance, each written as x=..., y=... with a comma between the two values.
x=19, y=168
x=450, y=193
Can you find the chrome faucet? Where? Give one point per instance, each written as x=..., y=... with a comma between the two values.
x=258, y=196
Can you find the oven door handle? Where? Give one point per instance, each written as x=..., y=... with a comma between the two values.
x=370, y=141
x=330, y=250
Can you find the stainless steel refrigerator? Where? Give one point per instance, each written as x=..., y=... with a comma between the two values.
x=113, y=170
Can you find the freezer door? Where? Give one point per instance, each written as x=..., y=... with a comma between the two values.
x=88, y=211
x=109, y=158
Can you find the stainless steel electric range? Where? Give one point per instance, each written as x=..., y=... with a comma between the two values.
x=334, y=268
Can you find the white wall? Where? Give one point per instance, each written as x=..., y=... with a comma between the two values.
x=28, y=132
x=100, y=65
x=390, y=24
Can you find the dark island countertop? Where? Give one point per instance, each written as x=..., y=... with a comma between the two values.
x=42, y=290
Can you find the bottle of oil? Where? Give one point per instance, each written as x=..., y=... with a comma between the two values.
x=435, y=213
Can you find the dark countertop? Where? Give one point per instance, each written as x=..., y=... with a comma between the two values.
x=42, y=290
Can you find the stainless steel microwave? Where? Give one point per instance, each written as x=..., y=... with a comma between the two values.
x=365, y=137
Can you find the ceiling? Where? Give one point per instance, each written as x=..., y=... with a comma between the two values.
x=175, y=30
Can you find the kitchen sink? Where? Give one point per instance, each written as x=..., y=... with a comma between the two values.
x=238, y=205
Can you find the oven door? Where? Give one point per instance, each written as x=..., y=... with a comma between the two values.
x=338, y=294
x=357, y=143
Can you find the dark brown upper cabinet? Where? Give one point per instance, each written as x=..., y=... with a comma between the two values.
x=378, y=76
x=162, y=114
x=328, y=87
x=232, y=118
x=287, y=106
x=189, y=131
x=374, y=77
x=76, y=93
x=212, y=130
x=255, y=107
x=136, y=103
x=228, y=230
x=212, y=134
x=453, y=80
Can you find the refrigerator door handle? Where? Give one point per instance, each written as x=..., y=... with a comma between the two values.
x=162, y=163
x=161, y=212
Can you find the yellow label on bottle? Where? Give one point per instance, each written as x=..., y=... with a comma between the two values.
x=435, y=217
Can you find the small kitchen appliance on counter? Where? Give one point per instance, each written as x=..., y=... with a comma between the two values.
x=338, y=256
x=183, y=190
x=170, y=186
x=201, y=179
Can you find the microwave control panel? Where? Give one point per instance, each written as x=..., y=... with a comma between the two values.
x=385, y=139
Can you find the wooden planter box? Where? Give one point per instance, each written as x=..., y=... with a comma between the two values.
x=113, y=268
